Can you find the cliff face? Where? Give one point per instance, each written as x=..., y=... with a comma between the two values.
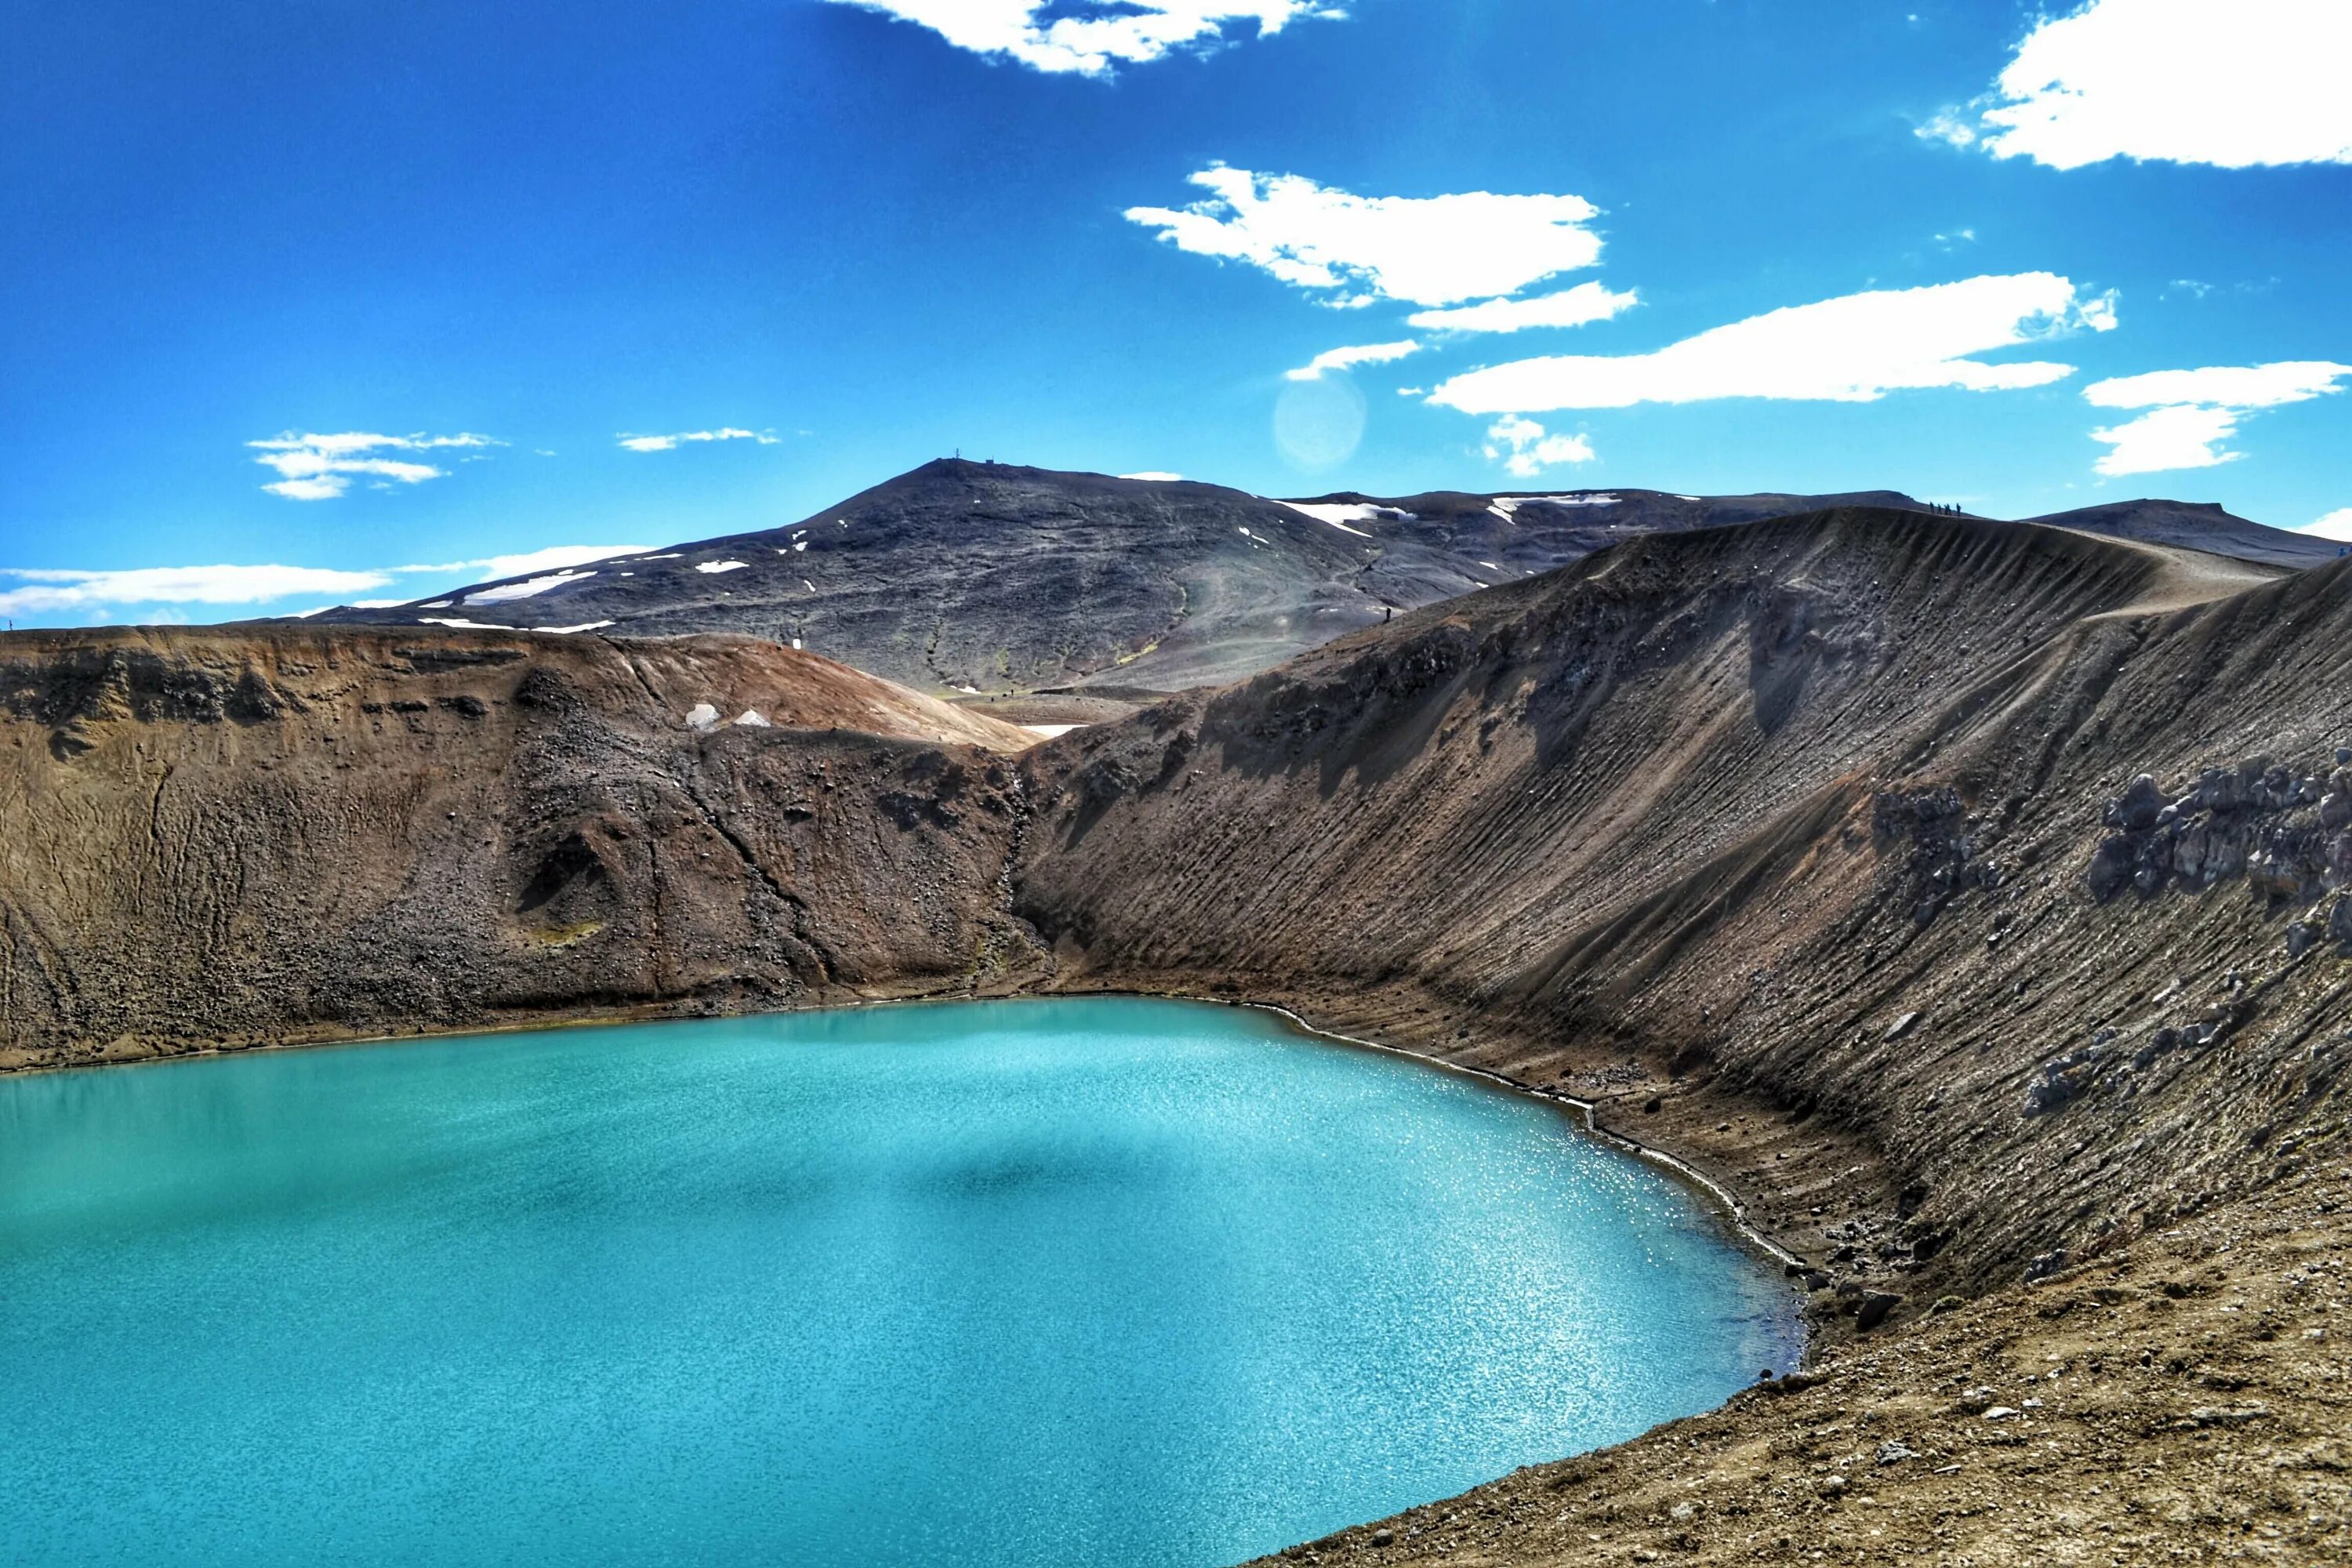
x=1977, y=900
x=1811, y=810
x=299, y=832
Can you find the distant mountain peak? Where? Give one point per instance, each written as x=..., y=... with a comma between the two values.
x=968, y=574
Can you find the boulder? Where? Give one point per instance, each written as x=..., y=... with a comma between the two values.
x=2189, y=851
x=2225, y=851
x=2059, y=1084
x=2279, y=874
x=2111, y=868
x=2140, y=806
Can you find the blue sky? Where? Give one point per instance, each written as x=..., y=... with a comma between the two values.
x=521, y=246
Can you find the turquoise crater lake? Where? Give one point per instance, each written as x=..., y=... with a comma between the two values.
x=1085, y=1281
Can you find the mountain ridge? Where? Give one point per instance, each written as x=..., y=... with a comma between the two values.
x=969, y=577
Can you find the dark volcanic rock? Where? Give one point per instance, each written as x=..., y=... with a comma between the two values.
x=2193, y=526
x=991, y=577
x=996, y=578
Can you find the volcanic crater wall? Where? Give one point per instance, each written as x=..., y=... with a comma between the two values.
x=1815, y=812
x=244, y=835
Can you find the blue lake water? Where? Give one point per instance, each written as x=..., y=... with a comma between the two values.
x=1071, y=1282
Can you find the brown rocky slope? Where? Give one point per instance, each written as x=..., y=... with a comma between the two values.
x=1810, y=849
x=1813, y=849
x=298, y=832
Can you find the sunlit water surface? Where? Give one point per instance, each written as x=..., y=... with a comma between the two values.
x=1058, y=1282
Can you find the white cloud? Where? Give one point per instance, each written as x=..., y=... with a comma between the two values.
x=2337, y=524
x=671, y=443
x=1100, y=36
x=2235, y=83
x=2193, y=412
x=52, y=590
x=2183, y=437
x=1346, y=359
x=1526, y=450
x=1570, y=308
x=322, y=489
x=320, y=468
x=2238, y=387
x=1853, y=348
x=1155, y=476
x=68, y=590
x=1432, y=250
x=1946, y=126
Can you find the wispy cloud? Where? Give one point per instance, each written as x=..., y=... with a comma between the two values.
x=1352, y=251
x=671, y=443
x=48, y=590
x=2337, y=524
x=1574, y=307
x=70, y=590
x=312, y=466
x=2184, y=438
x=1342, y=359
x=1525, y=449
x=2235, y=83
x=1091, y=37
x=1853, y=348
x=2192, y=414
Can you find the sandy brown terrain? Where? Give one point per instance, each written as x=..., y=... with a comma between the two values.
x=1817, y=851
x=227, y=838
